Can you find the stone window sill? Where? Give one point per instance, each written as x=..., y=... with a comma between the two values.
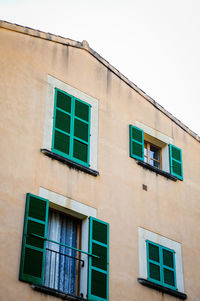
x=156, y=170
x=162, y=289
x=69, y=162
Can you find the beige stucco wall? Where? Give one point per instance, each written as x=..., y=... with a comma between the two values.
x=169, y=208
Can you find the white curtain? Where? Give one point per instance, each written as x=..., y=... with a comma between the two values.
x=60, y=270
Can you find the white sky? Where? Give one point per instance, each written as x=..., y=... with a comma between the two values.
x=155, y=43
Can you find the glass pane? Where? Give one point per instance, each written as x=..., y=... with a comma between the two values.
x=154, y=152
x=169, y=277
x=145, y=149
x=154, y=271
x=81, y=130
x=168, y=258
x=61, y=142
x=81, y=110
x=63, y=101
x=100, y=251
x=80, y=150
x=62, y=121
x=154, y=253
x=155, y=163
x=99, y=284
x=145, y=159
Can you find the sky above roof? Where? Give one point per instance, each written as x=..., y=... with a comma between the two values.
x=156, y=44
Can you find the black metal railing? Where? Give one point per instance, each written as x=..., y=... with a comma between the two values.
x=62, y=270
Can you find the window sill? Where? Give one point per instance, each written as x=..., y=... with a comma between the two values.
x=69, y=162
x=56, y=293
x=162, y=289
x=157, y=170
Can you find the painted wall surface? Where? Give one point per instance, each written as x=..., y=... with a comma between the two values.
x=168, y=208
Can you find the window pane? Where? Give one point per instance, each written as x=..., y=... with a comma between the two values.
x=154, y=271
x=63, y=101
x=154, y=252
x=169, y=277
x=80, y=150
x=62, y=121
x=155, y=163
x=145, y=159
x=81, y=130
x=81, y=110
x=61, y=142
x=168, y=258
x=154, y=152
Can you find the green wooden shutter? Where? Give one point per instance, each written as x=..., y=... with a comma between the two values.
x=71, y=128
x=175, y=158
x=136, y=142
x=33, y=248
x=98, y=272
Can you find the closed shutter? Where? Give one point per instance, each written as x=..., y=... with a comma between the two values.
x=136, y=142
x=98, y=274
x=71, y=129
x=33, y=247
x=175, y=156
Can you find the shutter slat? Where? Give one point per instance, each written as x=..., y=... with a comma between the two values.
x=175, y=157
x=33, y=248
x=136, y=142
x=98, y=271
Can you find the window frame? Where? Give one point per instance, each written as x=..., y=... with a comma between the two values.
x=52, y=84
x=148, y=156
x=161, y=265
x=145, y=235
x=71, y=135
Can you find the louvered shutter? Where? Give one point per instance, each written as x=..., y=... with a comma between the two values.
x=33, y=248
x=136, y=142
x=175, y=157
x=98, y=272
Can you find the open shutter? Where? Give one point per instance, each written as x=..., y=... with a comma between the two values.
x=33, y=247
x=98, y=273
x=175, y=157
x=136, y=142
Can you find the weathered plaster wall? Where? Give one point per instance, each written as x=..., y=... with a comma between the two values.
x=171, y=209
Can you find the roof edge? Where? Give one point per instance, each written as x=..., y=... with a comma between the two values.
x=85, y=46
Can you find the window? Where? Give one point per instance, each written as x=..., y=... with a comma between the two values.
x=52, y=258
x=71, y=126
x=161, y=265
x=152, y=154
x=71, y=131
x=161, y=154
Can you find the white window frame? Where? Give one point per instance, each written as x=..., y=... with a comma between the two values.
x=159, y=139
x=53, y=83
x=78, y=210
x=143, y=236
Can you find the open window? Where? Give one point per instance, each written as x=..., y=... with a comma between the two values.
x=55, y=257
x=156, y=150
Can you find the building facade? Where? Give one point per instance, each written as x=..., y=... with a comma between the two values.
x=100, y=185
